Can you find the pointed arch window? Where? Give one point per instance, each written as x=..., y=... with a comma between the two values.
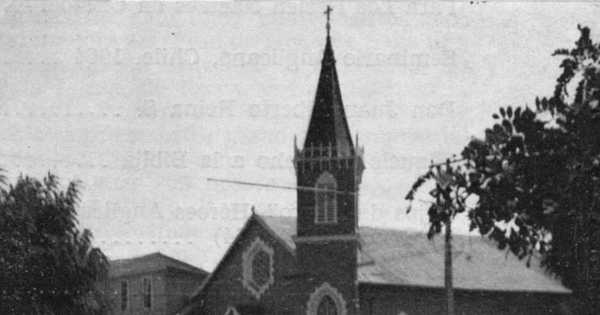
x=326, y=199
x=231, y=311
x=326, y=300
x=327, y=306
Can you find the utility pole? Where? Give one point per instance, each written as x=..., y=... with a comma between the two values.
x=448, y=268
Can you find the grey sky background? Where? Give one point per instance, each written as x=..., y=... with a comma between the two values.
x=143, y=102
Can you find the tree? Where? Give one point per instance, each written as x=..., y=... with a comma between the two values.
x=47, y=265
x=537, y=177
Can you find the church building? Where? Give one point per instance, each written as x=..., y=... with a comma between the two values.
x=322, y=263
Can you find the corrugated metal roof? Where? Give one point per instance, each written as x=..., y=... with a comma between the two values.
x=398, y=257
x=149, y=263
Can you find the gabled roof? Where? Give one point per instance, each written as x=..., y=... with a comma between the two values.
x=150, y=263
x=395, y=257
x=288, y=245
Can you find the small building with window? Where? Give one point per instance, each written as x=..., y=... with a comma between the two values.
x=154, y=284
x=322, y=263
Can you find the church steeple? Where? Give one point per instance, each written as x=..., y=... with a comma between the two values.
x=328, y=174
x=328, y=125
x=328, y=165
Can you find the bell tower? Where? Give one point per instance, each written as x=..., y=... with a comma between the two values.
x=328, y=167
x=328, y=170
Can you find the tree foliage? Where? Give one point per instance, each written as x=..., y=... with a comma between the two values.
x=536, y=175
x=47, y=265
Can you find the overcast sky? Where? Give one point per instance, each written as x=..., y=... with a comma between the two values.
x=143, y=102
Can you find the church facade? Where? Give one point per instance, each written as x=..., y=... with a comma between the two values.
x=322, y=263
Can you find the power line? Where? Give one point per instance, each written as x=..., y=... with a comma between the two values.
x=280, y=186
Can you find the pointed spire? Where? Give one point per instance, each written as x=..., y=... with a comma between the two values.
x=328, y=122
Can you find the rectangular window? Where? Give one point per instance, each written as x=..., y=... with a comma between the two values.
x=124, y=295
x=147, y=296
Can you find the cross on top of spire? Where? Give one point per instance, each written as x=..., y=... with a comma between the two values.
x=328, y=11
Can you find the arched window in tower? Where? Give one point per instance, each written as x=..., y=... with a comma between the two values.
x=327, y=306
x=326, y=199
x=231, y=311
x=326, y=300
